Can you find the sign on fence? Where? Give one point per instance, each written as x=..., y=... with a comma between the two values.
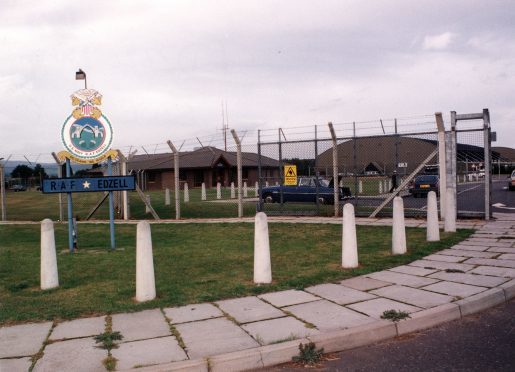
x=290, y=175
x=93, y=184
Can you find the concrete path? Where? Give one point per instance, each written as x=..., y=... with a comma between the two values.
x=265, y=330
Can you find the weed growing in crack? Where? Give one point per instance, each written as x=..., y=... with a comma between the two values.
x=395, y=315
x=308, y=354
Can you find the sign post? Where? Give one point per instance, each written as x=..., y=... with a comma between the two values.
x=87, y=137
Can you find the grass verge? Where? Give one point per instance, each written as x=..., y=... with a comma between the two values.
x=193, y=263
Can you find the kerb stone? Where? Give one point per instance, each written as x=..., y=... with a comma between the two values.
x=509, y=289
x=429, y=318
x=236, y=361
x=481, y=301
x=355, y=337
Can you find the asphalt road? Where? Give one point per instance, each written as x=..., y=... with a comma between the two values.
x=480, y=342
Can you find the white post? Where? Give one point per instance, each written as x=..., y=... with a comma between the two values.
x=167, y=196
x=49, y=276
x=433, y=229
x=262, y=263
x=177, y=188
x=147, y=209
x=145, y=280
x=360, y=187
x=186, y=193
x=450, y=211
x=266, y=184
x=256, y=189
x=349, y=239
x=218, y=190
x=3, y=212
x=233, y=193
x=380, y=187
x=203, y=192
x=245, y=190
x=399, y=229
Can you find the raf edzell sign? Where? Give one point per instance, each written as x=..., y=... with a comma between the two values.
x=93, y=184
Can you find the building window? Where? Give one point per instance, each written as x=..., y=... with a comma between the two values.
x=151, y=177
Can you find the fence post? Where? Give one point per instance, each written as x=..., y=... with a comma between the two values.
x=450, y=150
x=2, y=192
x=238, y=163
x=487, y=162
x=260, y=180
x=335, y=171
x=59, y=175
x=125, y=195
x=442, y=166
x=176, y=170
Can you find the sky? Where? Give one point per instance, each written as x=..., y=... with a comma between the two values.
x=165, y=67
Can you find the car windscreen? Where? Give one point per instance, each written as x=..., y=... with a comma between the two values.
x=426, y=179
x=324, y=183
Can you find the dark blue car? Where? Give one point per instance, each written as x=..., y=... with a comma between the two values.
x=305, y=191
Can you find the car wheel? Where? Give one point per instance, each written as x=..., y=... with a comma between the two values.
x=322, y=200
x=267, y=198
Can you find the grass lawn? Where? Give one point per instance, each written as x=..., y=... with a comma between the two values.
x=193, y=263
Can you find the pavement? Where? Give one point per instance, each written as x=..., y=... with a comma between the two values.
x=265, y=330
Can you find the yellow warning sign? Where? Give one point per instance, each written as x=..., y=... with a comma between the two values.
x=290, y=175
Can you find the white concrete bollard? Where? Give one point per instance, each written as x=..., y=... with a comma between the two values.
x=380, y=187
x=360, y=187
x=233, y=191
x=349, y=239
x=276, y=183
x=49, y=277
x=266, y=184
x=145, y=280
x=245, y=190
x=399, y=229
x=167, y=196
x=218, y=190
x=450, y=211
x=433, y=229
x=186, y=193
x=147, y=209
x=256, y=189
x=203, y=192
x=389, y=185
x=262, y=263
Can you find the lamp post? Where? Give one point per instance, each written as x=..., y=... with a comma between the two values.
x=3, y=213
x=81, y=75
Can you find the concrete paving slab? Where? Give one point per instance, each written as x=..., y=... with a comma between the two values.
x=483, y=244
x=463, y=253
x=79, y=328
x=501, y=250
x=23, y=340
x=249, y=309
x=455, y=289
x=339, y=294
x=402, y=279
x=413, y=296
x=74, y=355
x=141, y=325
x=278, y=330
x=362, y=283
x=412, y=270
x=441, y=265
x=147, y=352
x=472, y=279
x=376, y=307
x=288, y=297
x=190, y=313
x=466, y=247
x=491, y=262
x=326, y=315
x=444, y=258
x=495, y=271
x=15, y=365
x=214, y=336
x=507, y=256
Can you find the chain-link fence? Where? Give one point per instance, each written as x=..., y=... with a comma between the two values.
x=207, y=177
